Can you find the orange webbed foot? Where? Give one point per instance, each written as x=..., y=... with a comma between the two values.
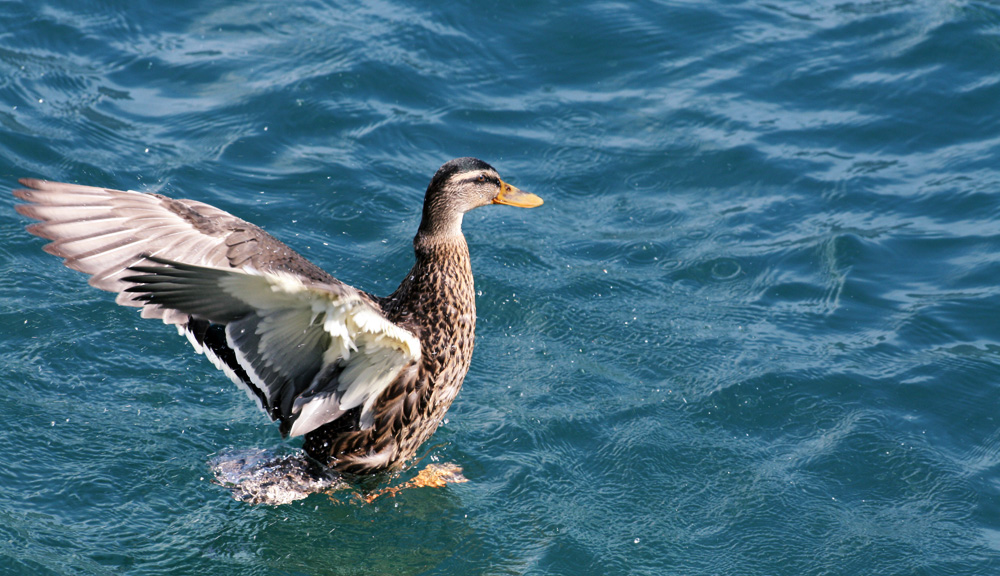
x=432, y=476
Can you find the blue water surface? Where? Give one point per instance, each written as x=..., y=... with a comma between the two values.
x=754, y=330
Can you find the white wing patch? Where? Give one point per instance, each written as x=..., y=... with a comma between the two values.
x=314, y=351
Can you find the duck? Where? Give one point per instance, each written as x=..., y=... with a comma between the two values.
x=364, y=380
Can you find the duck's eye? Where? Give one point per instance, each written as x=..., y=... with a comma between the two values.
x=481, y=179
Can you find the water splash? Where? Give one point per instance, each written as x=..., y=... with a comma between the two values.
x=261, y=477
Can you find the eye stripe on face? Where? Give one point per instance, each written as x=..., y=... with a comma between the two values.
x=482, y=178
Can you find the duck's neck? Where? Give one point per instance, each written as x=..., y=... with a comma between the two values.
x=437, y=247
x=440, y=221
x=439, y=285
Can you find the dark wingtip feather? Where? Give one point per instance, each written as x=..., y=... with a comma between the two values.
x=36, y=229
x=31, y=182
x=145, y=271
x=53, y=248
x=25, y=209
x=139, y=280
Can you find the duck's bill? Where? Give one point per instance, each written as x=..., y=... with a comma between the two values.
x=512, y=196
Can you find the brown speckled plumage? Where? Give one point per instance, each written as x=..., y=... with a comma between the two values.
x=436, y=302
x=366, y=380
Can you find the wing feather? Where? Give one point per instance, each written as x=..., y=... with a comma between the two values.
x=312, y=351
x=306, y=346
x=101, y=232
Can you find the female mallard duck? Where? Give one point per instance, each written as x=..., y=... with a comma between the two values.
x=365, y=379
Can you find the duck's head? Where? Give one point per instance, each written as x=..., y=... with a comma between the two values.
x=461, y=185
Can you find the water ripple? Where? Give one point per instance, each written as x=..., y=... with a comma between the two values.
x=760, y=288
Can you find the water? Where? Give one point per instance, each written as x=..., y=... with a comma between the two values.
x=754, y=330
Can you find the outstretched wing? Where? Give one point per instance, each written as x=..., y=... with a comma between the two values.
x=310, y=350
x=102, y=232
x=308, y=346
